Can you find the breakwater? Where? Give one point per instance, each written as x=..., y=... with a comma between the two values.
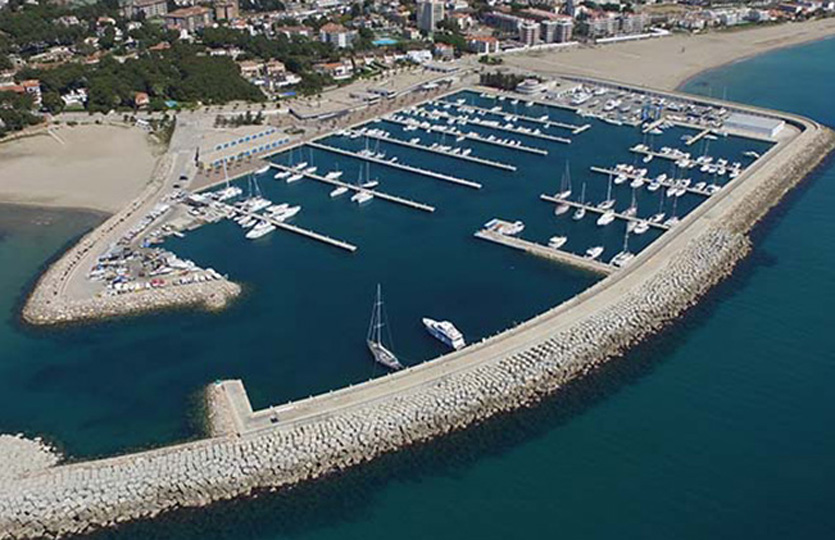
x=511, y=371
x=51, y=301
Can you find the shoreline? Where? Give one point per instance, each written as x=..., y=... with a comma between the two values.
x=679, y=87
x=508, y=372
x=670, y=62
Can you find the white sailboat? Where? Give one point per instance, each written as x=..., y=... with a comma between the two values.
x=565, y=184
x=609, y=202
x=374, y=338
x=580, y=213
x=622, y=258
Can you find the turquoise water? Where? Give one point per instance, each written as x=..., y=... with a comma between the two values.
x=721, y=427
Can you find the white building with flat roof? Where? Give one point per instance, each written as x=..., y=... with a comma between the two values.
x=765, y=126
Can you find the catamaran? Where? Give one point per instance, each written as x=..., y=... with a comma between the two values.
x=565, y=184
x=374, y=339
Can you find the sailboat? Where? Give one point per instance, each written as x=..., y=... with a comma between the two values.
x=633, y=208
x=581, y=211
x=673, y=219
x=362, y=195
x=624, y=256
x=565, y=183
x=660, y=215
x=374, y=339
x=609, y=202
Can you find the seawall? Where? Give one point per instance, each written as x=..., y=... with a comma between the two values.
x=510, y=371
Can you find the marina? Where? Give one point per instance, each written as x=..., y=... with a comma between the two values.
x=601, y=211
x=564, y=257
x=356, y=188
x=545, y=119
x=385, y=137
x=410, y=168
x=472, y=135
x=536, y=134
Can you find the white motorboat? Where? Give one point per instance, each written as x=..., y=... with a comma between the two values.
x=607, y=217
x=556, y=242
x=594, y=252
x=445, y=332
x=338, y=192
x=262, y=229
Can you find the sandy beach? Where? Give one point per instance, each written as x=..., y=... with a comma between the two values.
x=665, y=63
x=91, y=167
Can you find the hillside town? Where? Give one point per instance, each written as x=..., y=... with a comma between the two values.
x=131, y=55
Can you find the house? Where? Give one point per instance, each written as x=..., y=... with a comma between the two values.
x=141, y=99
x=275, y=68
x=483, y=44
x=294, y=31
x=251, y=69
x=336, y=34
x=75, y=98
x=190, y=19
x=336, y=70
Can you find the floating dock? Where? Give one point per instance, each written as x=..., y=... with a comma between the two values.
x=665, y=184
x=473, y=136
x=296, y=229
x=401, y=166
x=590, y=208
x=539, y=250
x=653, y=125
x=473, y=159
x=514, y=130
x=556, y=123
x=353, y=187
x=696, y=138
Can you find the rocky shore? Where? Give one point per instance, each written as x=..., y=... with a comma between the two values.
x=672, y=276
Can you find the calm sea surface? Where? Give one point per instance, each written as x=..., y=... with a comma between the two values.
x=721, y=427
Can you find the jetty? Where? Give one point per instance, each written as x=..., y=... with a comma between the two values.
x=424, y=148
x=574, y=128
x=472, y=135
x=354, y=187
x=696, y=138
x=632, y=176
x=590, y=208
x=501, y=127
x=565, y=257
x=403, y=167
x=341, y=244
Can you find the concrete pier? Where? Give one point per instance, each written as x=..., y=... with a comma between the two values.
x=696, y=138
x=353, y=187
x=503, y=113
x=565, y=257
x=590, y=208
x=665, y=184
x=500, y=127
x=341, y=244
x=473, y=159
x=474, y=136
x=401, y=166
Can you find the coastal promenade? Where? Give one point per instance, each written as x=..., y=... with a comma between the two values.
x=292, y=442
